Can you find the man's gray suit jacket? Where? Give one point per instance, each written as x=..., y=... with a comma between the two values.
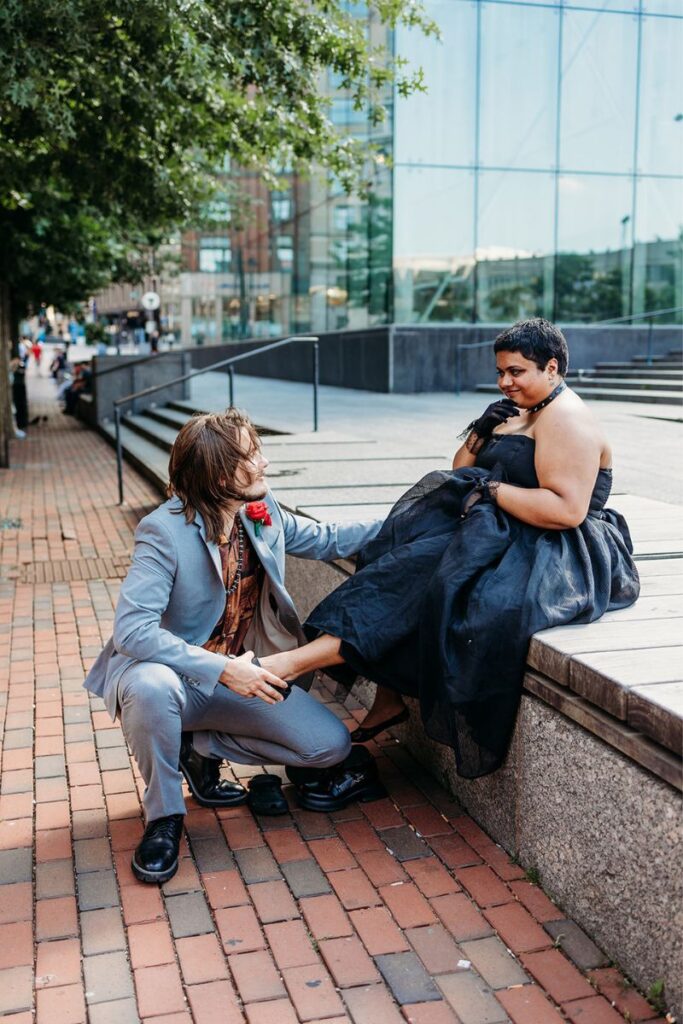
x=173, y=595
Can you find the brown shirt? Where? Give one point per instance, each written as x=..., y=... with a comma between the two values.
x=240, y=606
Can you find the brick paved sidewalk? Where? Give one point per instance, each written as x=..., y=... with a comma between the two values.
x=398, y=910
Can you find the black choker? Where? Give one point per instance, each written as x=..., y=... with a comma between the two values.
x=546, y=401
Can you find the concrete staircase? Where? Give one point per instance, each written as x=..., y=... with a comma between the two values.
x=659, y=383
x=147, y=437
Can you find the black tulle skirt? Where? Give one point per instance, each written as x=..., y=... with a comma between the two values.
x=442, y=607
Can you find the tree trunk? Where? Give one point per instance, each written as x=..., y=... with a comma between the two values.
x=6, y=423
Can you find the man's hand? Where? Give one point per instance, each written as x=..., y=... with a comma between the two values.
x=248, y=680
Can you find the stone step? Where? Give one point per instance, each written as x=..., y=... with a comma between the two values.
x=171, y=417
x=645, y=383
x=671, y=357
x=189, y=408
x=627, y=370
x=606, y=394
x=146, y=456
x=160, y=434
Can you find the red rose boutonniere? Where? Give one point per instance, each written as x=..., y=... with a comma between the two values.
x=258, y=512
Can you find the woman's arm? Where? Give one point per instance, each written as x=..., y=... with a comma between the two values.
x=319, y=653
x=567, y=462
x=464, y=456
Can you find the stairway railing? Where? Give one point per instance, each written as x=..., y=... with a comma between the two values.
x=229, y=363
x=649, y=318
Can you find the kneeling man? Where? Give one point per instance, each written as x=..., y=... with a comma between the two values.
x=204, y=591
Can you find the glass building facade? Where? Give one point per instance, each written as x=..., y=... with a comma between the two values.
x=541, y=173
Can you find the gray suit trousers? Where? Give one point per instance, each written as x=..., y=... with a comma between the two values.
x=156, y=705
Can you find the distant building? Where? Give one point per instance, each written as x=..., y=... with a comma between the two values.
x=540, y=174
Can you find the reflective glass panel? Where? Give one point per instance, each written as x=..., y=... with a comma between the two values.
x=658, y=262
x=660, y=143
x=544, y=3
x=433, y=244
x=515, y=245
x=663, y=7
x=437, y=127
x=592, y=269
x=598, y=99
x=203, y=322
x=605, y=5
x=519, y=47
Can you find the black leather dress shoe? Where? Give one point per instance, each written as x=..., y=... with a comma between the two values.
x=203, y=776
x=156, y=858
x=330, y=789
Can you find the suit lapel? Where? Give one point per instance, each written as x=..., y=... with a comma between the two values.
x=211, y=546
x=261, y=548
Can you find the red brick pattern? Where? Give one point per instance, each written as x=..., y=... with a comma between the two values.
x=81, y=940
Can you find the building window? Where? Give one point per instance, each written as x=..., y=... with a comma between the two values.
x=281, y=205
x=214, y=255
x=284, y=250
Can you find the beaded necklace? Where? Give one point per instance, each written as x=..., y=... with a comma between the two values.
x=240, y=561
x=551, y=397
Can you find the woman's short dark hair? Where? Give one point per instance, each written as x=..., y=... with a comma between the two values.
x=536, y=339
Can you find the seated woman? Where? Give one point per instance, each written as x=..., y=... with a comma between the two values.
x=470, y=563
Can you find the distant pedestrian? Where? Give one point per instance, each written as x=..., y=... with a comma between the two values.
x=58, y=365
x=81, y=385
x=37, y=352
x=19, y=396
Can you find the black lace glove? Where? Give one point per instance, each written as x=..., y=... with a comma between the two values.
x=497, y=413
x=480, y=430
x=485, y=490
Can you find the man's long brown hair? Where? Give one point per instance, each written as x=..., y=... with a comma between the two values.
x=204, y=460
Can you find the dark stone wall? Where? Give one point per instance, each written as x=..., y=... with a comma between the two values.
x=425, y=358
x=414, y=358
x=117, y=376
x=352, y=359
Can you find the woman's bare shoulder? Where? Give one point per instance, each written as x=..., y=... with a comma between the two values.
x=569, y=411
x=571, y=421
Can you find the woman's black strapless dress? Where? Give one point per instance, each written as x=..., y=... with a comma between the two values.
x=442, y=606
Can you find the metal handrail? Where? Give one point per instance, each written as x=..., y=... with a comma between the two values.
x=650, y=316
x=137, y=361
x=638, y=316
x=119, y=402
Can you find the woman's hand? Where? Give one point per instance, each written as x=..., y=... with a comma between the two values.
x=242, y=676
x=480, y=430
x=492, y=417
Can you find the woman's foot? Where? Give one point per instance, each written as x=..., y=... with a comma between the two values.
x=283, y=665
x=388, y=709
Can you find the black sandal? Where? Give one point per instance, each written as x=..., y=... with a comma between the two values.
x=266, y=796
x=362, y=734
